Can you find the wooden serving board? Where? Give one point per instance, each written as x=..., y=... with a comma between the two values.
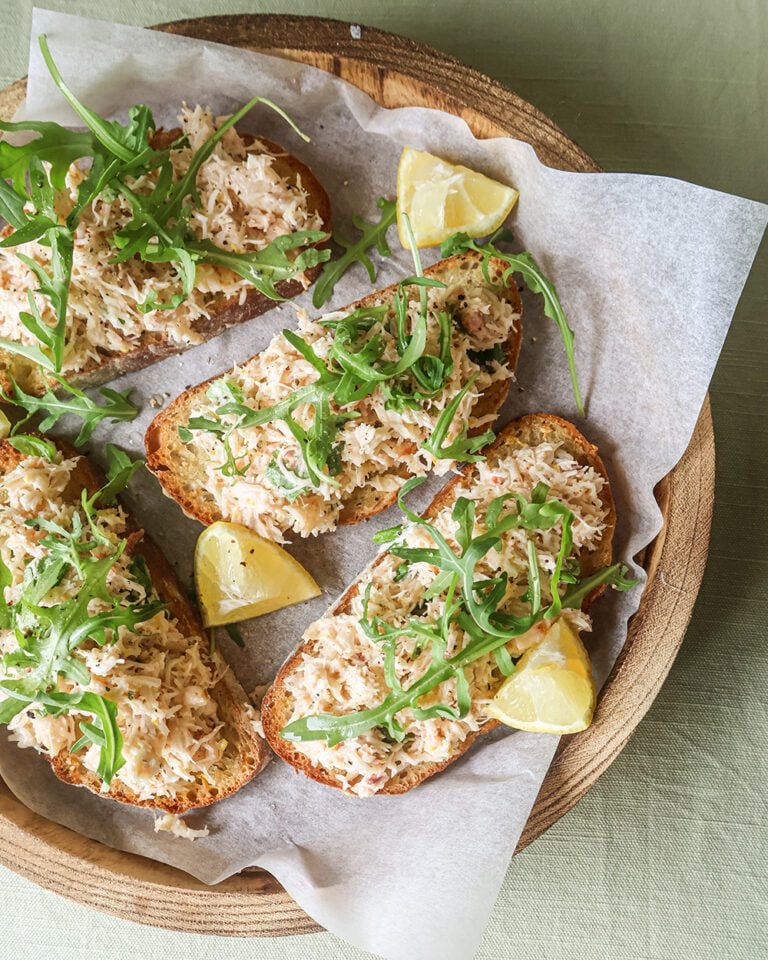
x=396, y=72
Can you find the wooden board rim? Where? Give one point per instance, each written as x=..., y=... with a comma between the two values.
x=253, y=903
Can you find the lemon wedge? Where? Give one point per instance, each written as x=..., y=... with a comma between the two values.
x=441, y=199
x=5, y=426
x=239, y=575
x=552, y=690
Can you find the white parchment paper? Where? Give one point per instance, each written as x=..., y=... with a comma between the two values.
x=649, y=270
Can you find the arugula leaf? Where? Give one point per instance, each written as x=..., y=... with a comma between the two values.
x=361, y=364
x=401, y=573
x=32, y=229
x=268, y=267
x=6, y=580
x=536, y=514
x=389, y=534
x=32, y=353
x=55, y=145
x=120, y=469
x=225, y=390
x=289, y=482
x=184, y=264
x=230, y=467
x=616, y=576
x=463, y=449
x=116, y=407
x=54, y=286
x=104, y=732
x=11, y=207
x=124, y=142
x=339, y=380
x=42, y=223
x=334, y=729
x=32, y=446
x=234, y=634
x=536, y=281
x=10, y=708
x=371, y=235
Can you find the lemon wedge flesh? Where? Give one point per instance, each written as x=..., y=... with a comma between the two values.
x=239, y=575
x=552, y=690
x=441, y=199
x=5, y=426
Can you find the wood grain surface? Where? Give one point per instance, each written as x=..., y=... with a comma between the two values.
x=396, y=72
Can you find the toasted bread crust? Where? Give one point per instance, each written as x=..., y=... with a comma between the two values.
x=182, y=479
x=252, y=752
x=223, y=312
x=530, y=430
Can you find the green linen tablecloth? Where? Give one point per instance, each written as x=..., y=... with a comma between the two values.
x=667, y=857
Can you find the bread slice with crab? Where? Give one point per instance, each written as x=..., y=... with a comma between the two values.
x=176, y=644
x=184, y=469
x=538, y=432
x=224, y=299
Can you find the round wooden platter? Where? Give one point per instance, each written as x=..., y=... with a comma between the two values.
x=396, y=72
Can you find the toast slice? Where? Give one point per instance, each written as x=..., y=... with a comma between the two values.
x=100, y=347
x=188, y=472
x=368, y=764
x=162, y=652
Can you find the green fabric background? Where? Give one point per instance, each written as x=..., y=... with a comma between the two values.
x=667, y=857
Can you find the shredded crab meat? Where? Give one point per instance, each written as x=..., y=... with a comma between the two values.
x=178, y=827
x=342, y=670
x=381, y=446
x=159, y=678
x=245, y=202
